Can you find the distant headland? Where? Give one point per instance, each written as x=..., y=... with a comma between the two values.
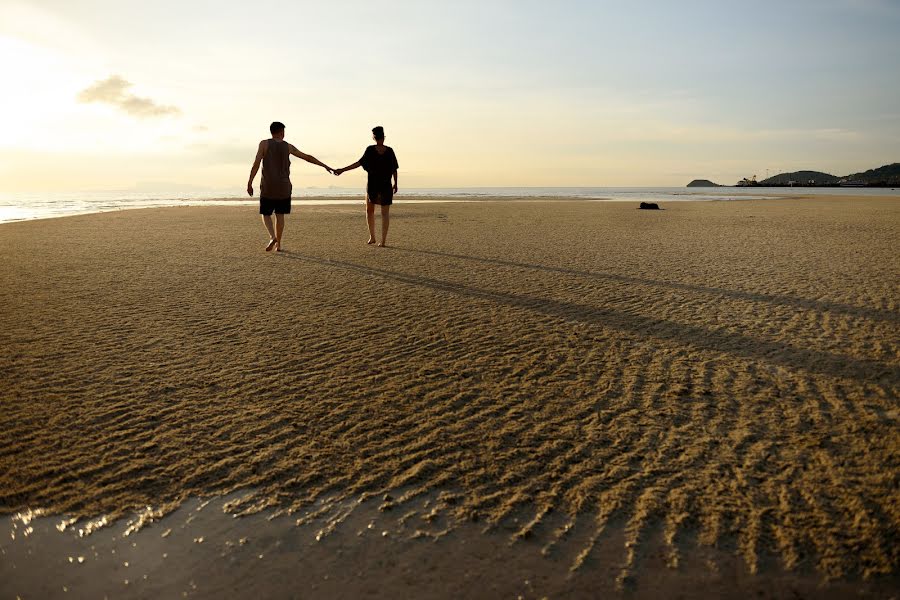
x=886, y=176
x=703, y=183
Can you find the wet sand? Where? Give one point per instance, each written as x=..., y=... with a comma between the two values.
x=201, y=551
x=588, y=392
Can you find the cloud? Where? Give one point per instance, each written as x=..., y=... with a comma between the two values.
x=114, y=91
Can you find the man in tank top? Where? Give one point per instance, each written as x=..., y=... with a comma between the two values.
x=275, y=187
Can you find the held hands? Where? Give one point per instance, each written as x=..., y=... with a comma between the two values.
x=337, y=172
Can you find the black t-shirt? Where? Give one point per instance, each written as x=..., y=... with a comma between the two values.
x=380, y=167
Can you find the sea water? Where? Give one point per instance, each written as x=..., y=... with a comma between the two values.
x=26, y=206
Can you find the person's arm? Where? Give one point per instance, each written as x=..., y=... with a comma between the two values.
x=309, y=158
x=396, y=166
x=260, y=153
x=355, y=165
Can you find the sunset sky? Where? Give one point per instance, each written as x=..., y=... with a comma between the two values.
x=163, y=95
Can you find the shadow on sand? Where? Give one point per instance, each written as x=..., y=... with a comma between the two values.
x=826, y=363
x=801, y=303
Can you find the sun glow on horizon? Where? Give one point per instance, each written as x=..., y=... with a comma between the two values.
x=105, y=94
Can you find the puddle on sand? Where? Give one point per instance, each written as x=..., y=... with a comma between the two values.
x=347, y=548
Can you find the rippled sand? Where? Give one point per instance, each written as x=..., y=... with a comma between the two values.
x=715, y=374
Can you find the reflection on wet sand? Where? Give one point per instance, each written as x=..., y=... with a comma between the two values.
x=202, y=551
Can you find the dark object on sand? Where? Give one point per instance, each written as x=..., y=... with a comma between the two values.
x=649, y=206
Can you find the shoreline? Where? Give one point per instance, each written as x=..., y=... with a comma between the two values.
x=413, y=200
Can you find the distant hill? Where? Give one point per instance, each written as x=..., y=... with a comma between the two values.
x=888, y=175
x=802, y=178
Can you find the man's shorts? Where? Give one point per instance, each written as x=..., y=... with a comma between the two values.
x=267, y=206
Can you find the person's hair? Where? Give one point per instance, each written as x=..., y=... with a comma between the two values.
x=275, y=127
x=378, y=132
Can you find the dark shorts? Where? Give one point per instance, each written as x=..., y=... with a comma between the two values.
x=380, y=194
x=267, y=206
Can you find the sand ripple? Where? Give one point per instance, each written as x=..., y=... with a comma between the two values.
x=722, y=374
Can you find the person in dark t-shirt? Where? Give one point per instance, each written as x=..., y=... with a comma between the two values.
x=380, y=162
x=275, y=189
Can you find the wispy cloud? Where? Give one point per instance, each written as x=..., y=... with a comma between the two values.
x=114, y=91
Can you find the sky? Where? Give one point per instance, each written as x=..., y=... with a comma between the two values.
x=166, y=95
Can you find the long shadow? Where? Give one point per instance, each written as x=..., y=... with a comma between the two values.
x=803, y=303
x=826, y=363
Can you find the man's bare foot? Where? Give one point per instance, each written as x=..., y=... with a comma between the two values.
x=278, y=247
x=382, y=244
x=371, y=240
x=272, y=244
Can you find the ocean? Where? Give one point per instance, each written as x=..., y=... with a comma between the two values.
x=27, y=206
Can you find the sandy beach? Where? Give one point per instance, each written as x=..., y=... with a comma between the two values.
x=582, y=395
